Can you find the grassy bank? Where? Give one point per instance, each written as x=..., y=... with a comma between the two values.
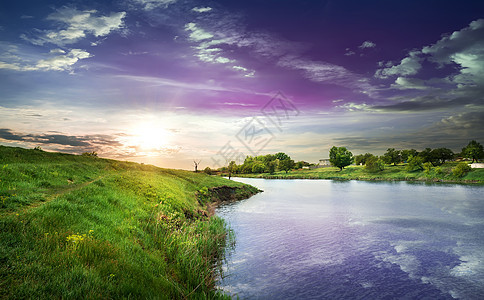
x=84, y=227
x=390, y=173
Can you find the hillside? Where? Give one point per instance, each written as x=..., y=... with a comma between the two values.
x=85, y=227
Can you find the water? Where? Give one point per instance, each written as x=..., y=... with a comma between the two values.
x=321, y=239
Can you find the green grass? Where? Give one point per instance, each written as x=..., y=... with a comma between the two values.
x=391, y=173
x=85, y=227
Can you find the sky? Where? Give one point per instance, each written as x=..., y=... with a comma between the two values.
x=170, y=82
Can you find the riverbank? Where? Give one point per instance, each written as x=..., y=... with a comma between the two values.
x=390, y=173
x=85, y=227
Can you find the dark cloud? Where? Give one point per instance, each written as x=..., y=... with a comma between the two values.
x=59, y=139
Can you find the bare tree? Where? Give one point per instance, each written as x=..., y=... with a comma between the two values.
x=196, y=165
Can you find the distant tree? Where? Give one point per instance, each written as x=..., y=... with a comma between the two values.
x=361, y=159
x=340, y=157
x=286, y=164
x=473, y=150
x=208, y=171
x=271, y=166
x=414, y=163
x=405, y=154
x=38, y=148
x=374, y=164
x=301, y=164
x=196, y=164
x=281, y=156
x=392, y=156
x=92, y=154
x=258, y=167
x=426, y=155
x=232, y=167
x=440, y=155
x=461, y=169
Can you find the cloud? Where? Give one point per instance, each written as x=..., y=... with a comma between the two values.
x=197, y=34
x=324, y=72
x=349, y=52
x=403, y=83
x=153, y=4
x=55, y=139
x=76, y=25
x=410, y=65
x=201, y=9
x=61, y=62
x=367, y=44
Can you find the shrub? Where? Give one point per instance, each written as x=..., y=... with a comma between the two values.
x=414, y=163
x=374, y=164
x=427, y=167
x=461, y=169
x=93, y=154
x=208, y=171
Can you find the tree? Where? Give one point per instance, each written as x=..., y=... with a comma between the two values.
x=207, y=171
x=340, y=157
x=363, y=158
x=271, y=166
x=281, y=156
x=473, y=150
x=461, y=169
x=196, y=163
x=440, y=155
x=232, y=167
x=286, y=164
x=426, y=155
x=405, y=154
x=414, y=163
x=374, y=164
x=392, y=156
x=258, y=167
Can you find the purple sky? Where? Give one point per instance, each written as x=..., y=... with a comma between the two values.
x=170, y=81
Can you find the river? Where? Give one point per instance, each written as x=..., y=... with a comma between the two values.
x=323, y=239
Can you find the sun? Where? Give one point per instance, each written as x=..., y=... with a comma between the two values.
x=149, y=136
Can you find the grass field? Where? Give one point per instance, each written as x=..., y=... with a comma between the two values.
x=84, y=227
x=440, y=174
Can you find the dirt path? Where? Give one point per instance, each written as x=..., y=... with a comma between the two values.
x=52, y=194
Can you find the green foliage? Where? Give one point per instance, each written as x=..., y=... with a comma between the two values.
x=286, y=164
x=92, y=154
x=414, y=163
x=473, y=150
x=427, y=167
x=361, y=159
x=340, y=157
x=440, y=155
x=461, y=169
x=77, y=227
x=374, y=164
x=258, y=167
x=281, y=156
x=208, y=171
x=405, y=154
x=392, y=156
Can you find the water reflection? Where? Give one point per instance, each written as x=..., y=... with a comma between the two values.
x=318, y=239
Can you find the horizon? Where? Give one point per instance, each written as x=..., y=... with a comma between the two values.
x=167, y=82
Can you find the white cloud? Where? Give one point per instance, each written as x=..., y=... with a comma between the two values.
x=153, y=4
x=76, y=25
x=403, y=83
x=201, y=9
x=62, y=61
x=410, y=65
x=325, y=72
x=367, y=44
x=197, y=34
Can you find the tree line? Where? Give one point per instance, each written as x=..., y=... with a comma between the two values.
x=340, y=157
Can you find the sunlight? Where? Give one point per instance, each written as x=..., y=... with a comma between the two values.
x=149, y=136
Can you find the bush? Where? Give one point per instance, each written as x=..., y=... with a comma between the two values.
x=208, y=171
x=374, y=164
x=93, y=154
x=427, y=167
x=414, y=163
x=461, y=169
